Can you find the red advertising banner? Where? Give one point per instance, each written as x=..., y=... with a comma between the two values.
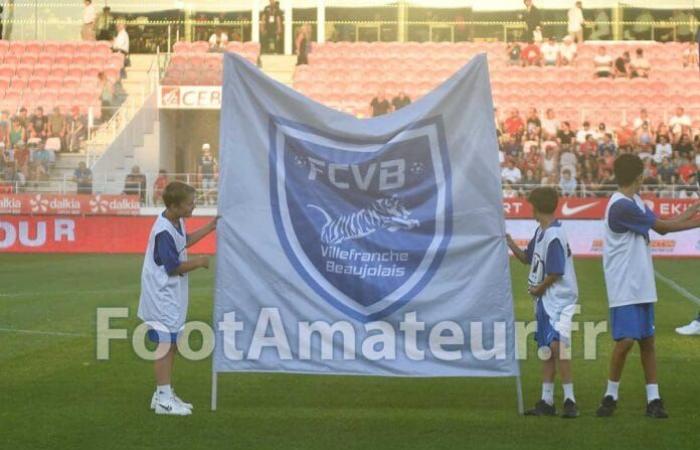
x=76, y=204
x=591, y=208
x=96, y=234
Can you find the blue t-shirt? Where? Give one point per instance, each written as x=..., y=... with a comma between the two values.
x=625, y=215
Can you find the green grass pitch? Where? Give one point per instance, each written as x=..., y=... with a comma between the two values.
x=55, y=394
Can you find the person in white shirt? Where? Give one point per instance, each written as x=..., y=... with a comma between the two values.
x=678, y=121
x=642, y=119
x=121, y=41
x=550, y=124
x=218, y=41
x=550, y=52
x=583, y=132
x=663, y=149
x=576, y=22
x=629, y=279
x=511, y=173
x=603, y=64
x=567, y=51
x=87, y=32
x=640, y=65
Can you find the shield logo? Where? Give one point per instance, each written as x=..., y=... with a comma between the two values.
x=365, y=223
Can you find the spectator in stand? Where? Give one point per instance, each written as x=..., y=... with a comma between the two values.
x=57, y=126
x=135, y=184
x=106, y=96
x=380, y=105
x=76, y=130
x=601, y=26
x=607, y=145
x=663, y=149
x=531, y=17
x=550, y=164
x=662, y=130
x=21, y=157
x=120, y=44
x=514, y=52
x=105, y=25
x=679, y=120
x=567, y=184
x=271, y=27
x=686, y=170
x=400, y=101
x=17, y=132
x=23, y=117
x=218, y=41
x=684, y=146
x=303, y=44
x=582, y=134
x=207, y=168
x=550, y=125
x=82, y=176
x=550, y=53
x=650, y=172
x=514, y=125
x=43, y=160
x=625, y=135
x=510, y=173
x=690, y=55
x=159, y=186
x=575, y=22
x=38, y=124
x=5, y=128
x=511, y=147
x=641, y=30
x=567, y=52
x=530, y=180
x=641, y=120
x=87, y=32
x=603, y=64
x=639, y=65
x=622, y=66
x=531, y=55
x=533, y=124
x=589, y=147
x=14, y=176
x=565, y=136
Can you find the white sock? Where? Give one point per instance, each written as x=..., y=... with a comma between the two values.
x=548, y=393
x=613, y=387
x=165, y=391
x=652, y=392
x=569, y=391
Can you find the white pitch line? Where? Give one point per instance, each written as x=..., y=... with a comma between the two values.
x=678, y=288
x=43, y=333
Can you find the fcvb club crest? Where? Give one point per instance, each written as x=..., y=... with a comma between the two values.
x=365, y=223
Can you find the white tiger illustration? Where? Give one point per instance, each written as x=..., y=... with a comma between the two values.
x=389, y=213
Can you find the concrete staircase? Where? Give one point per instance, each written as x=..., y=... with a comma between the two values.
x=279, y=67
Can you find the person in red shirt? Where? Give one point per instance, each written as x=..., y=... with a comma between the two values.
x=531, y=55
x=590, y=147
x=159, y=186
x=625, y=135
x=514, y=124
x=686, y=170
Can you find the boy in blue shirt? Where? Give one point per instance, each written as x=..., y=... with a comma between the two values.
x=552, y=282
x=629, y=279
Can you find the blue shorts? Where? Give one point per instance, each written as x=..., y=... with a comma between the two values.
x=545, y=334
x=632, y=321
x=162, y=336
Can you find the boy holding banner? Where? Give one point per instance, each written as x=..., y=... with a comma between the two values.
x=164, y=288
x=552, y=282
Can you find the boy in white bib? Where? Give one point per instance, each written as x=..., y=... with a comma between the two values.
x=552, y=282
x=629, y=279
x=164, y=288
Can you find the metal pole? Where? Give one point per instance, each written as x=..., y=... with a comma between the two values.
x=288, y=23
x=321, y=21
x=519, y=389
x=255, y=21
x=214, y=389
x=169, y=38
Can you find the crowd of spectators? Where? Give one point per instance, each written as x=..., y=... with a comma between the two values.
x=29, y=142
x=541, y=150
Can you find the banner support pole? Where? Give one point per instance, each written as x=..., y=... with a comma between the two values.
x=519, y=389
x=214, y=389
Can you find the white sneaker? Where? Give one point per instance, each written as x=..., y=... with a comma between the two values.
x=692, y=329
x=171, y=407
x=154, y=401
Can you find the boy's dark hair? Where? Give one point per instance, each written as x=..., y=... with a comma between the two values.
x=544, y=199
x=627, y=168
x=176, y=192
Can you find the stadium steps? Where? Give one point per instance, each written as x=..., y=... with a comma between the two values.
x=279, y=67
x=137, y=75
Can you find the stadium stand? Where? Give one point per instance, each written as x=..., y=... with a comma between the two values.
x=192, y=65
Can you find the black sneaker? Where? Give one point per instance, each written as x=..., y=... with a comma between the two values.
x=542, y=408
x=607, y=407
x=570, y=409
x=655, y=409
